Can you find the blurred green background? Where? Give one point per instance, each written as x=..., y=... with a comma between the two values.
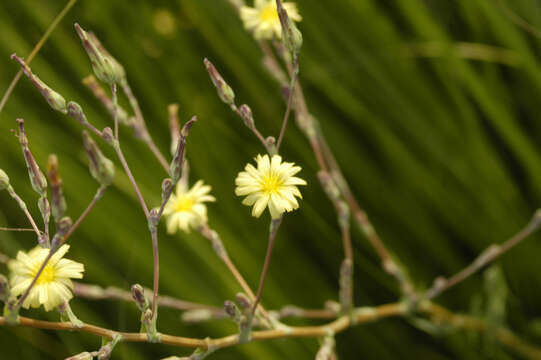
x=442, y=151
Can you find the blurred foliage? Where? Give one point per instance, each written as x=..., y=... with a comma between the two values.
x=443, y=153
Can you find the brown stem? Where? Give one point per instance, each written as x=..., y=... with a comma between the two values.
x=275, y=224
x=489, y=255
x=23, y=207
x=97, y=197
x=35, y=279
x=15, y=229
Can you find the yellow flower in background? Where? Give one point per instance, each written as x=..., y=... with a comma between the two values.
x=186, y=209
x=272, y=184
x=53, y=286
x=263, y=18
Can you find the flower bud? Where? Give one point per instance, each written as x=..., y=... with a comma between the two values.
x=107, y=135
x=175, y=169
x=58, y=202
x=232, y=310
x=247, y=116
x=76, y=111
x=243, y=301
x=153, y=219
x=167, y=187
x=225, y=92
x=4, y=180
x=106, y=68
x=101, y=168
x=174, y=126
x=82, y=356
x=292, y=37
x=138, y=295
x=39, y=183
x=62, y=228
x=55, y=100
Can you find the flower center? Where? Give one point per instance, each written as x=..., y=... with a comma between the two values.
x=269, y=14
x=271, y=183
x=184, y=203
x=46, y=276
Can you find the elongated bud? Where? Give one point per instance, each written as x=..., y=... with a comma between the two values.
x=175, y=170
x=55, y=100
x=138, y=295
x=106, y=68
x=101, y=168
x=153, y=219
x=58, y=202
x=76, y=112
x=292, y=37
x=174, y=126
x=39, y=183
x=4, y=180
x=167, y=187
x=62, y=228
x=225, y=92
x=232, y=310
x=44, y=208
x=4, y=288
x=108, y=136
x=247, y=116
x=82, y=356
x=243, y=301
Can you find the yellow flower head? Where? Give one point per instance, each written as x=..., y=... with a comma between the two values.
x=263, y=18
x=272, y=184
x=186, y=209
x=53, y=286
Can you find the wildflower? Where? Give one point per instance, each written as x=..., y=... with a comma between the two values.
x=272, y=184
x=53, y=286
x=263, y=18
x=186, y=209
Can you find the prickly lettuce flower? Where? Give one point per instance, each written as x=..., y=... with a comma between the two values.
x=263, y=18
x=186, y=210
x=271, y=184
x=53, y=286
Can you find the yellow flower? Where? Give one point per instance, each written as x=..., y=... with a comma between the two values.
x=186, y=209
x=263, y=18
x=272, y=184
x=53, y=286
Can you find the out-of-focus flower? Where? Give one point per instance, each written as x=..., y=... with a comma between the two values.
x=271, y=184
x=53, y=286
x=263, y=18
x=185, y=209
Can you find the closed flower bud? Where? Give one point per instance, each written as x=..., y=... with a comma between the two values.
x=58, y=202
x=55, y=100
x=243, y=301
x=101, y=168
x=62, y=228
x=4, y=180
x=106, y=68
x=153, y=219
x=232, y=310
x=75, y=111
x=39, y=183
x=225, y=92
x=247, y=116
x=138, y=295
x=175, y=169
x=292, y=36
x=167, y=187
x=107, y=135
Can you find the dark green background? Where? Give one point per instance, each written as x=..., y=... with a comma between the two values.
x=442, y=152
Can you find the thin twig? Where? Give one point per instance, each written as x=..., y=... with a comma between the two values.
x=275, y=224
x=35, y=50
x=24, y=208
x=15, y=229
x=489, y=255
x=95, y=199
x=291, y=91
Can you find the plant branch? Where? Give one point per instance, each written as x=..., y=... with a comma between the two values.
x=24, y=208
x=489, y=255
x=97, y=197
x=290, y=94
x=35, y=50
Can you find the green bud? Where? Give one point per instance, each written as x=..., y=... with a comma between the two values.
x=138, y=295
x=55, y=100
x=101, y=168
x=4, y=180
x=176, y=167
x=247, y=116
x=106, y=68
x=291, y=35
x=225, y=92
x=37, y=179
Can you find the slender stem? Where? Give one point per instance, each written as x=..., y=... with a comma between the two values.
x=97, y=197
x=489, y=255
x=436, y=313
x=35, y=279
x=275, y=224
x=156, y=280
x=115, y=109
x=253, y=128
x=35, y=50
x=289, y=100
x=15, y=229
x=24, y=208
